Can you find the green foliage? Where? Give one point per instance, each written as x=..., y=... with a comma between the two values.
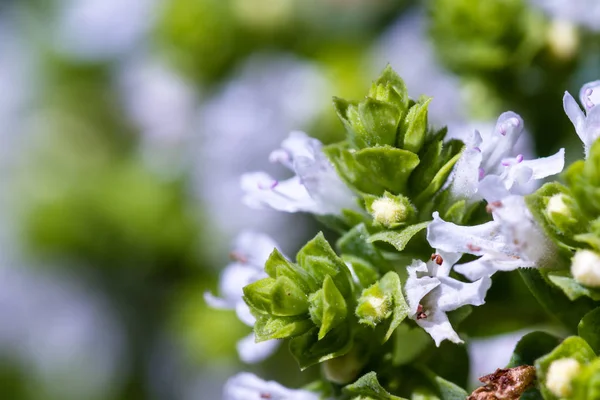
x=589, y=329
x=368, y=387
x=399, y=239
x=572, y=347
x=531, y=347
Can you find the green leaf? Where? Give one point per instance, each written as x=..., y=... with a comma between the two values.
x=258, y=295
x=368, y=386
x=572, y=347
x=308, y=350
x=268, y=327
x=380, y=121
x=399, y=239
x=277, y=265
x=531, y=347
x=589, y=329
x=438, y=180
x=409, y=343
x=571, y=287
x=391, y=285
x=390, y=79
x=446, y=389
x=328, y=307
x=365, y=272
x=414, y=127
x=554, y=301
x=387, y=167
x=356, y=243
x=287, y=299
x=319, y=260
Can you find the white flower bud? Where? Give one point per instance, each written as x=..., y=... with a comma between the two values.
x=556, y=205
x=560, y=374
x=388, y=211
x=563, y=39
x=585, y=267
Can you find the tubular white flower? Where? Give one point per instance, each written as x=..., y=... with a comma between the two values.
x=250, y=253
x=431, y=293
x=512, y=240
x=586, y=125
x=247, y=386
x=316, y=188
x=489, y=167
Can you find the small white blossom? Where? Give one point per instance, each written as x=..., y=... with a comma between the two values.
x=489, y=167
x=316, y=188
x=247, y=386
x=585, y=268
x=512, y=240
x=586, y=125
x=431, y=293
x=560, y=374
x=250, y=253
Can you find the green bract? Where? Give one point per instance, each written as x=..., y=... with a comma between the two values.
x=307, y=299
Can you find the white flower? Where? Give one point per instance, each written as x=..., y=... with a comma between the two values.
x=512, y=240
x=586, y=125
x=247, y=386
x=431, y=293
x=489, y=167
x=251, y=251
x=316, y=187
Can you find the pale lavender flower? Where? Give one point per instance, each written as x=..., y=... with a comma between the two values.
x=250, y=253
x=490, y=168
x=587, y=125
x=512, y=240
x=581, y=12
x=431, y=293
x=316, y=188
x=247, y=386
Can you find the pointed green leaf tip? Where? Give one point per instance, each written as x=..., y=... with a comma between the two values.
x=369, y=387
x=375, y=120
x=327, y=307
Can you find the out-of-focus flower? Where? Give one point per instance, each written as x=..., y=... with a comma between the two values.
x=247, y=386
x=431, y=293
x=250, y=253
x=241, y=124
x=94, y=30
x=406, y=47
x=586, y=125
x=581, y=12
x=490, y=169
x=512, y=240
x=316, y=188
x=164, y=107
x=62, y=331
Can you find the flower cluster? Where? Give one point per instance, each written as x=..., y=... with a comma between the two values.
x=415, y=252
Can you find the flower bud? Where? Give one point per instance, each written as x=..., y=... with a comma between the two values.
x=390, y=210
x=560, y=374
x=564, y=214
x=373, y=306
x=585, y=267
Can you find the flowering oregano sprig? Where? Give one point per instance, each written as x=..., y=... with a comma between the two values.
x=372, y=309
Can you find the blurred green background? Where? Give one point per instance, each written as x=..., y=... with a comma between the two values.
x=124, y=128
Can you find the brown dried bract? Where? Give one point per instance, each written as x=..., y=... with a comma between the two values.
x=505, y=384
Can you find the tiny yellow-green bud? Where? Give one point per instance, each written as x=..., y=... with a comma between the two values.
x=563, y=39
x=373, y=306
x=585, y=267
x=388, y=211
x=560, y=374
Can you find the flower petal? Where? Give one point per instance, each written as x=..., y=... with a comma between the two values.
x=251, y=352
x=500, y=145
x=466, y=239
x=262, y=191
x=438, y=326
x=255, y=248
x=247, y=386
x=589, y=94
x=575, y=114
x=453, y=294
x=488, y=265
x=466, y=173
x=416, y=288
